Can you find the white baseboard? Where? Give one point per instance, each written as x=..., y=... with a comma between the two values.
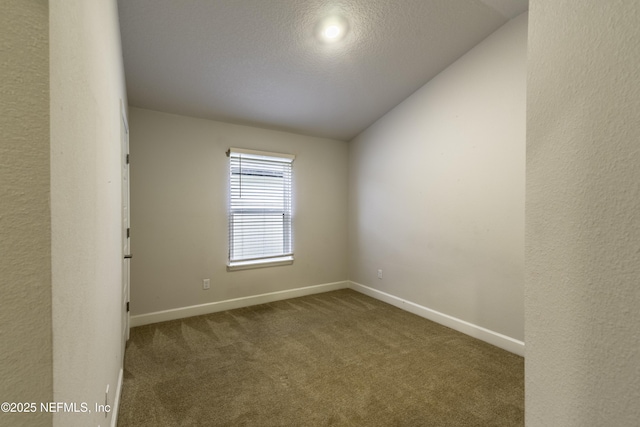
x=116, y=400
x=491, y=337
x=213, y=307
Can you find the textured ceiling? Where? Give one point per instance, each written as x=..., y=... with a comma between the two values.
x=257, y=62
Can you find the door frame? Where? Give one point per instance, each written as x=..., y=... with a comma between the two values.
x=126, y=223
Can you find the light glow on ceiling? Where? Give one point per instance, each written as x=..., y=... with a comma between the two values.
x=332, y=29
x=332, y=32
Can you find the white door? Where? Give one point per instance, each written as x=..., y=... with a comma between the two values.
x=126, y=226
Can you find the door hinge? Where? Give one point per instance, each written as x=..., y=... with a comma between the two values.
x=128, y=232
x=127, y=158
x=127, y=306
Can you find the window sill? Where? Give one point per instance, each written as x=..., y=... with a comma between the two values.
x=268, y=262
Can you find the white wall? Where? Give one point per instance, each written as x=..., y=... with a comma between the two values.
x=583, y=214
x=437, y=190
x=25, y=224
x=87, y=83
x=179, y=175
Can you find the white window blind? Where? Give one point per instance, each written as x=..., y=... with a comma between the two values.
x=259, y=208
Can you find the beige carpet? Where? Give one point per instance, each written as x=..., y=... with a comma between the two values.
x=333, y=359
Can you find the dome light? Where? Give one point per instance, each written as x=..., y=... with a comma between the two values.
x=332, y=29
x=332, y=32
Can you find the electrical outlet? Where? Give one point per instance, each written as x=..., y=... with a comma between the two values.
x=379, y=274
x=206, y=283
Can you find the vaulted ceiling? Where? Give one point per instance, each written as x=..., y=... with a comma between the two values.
x=260, y=62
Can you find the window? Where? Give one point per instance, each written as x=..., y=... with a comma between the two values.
x=259, y=209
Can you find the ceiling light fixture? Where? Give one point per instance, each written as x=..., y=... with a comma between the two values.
x=332, y=32
x=332, y=29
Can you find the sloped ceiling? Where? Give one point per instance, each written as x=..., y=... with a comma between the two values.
x=258, y=62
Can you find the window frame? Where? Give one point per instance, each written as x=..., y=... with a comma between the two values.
x=256, y=156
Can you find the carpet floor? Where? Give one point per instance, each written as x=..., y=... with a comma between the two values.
x=334, y=359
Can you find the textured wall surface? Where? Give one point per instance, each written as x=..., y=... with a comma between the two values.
x=25, y=238
x=87, y=83
x=437, y=190
x=583, y=214
x=179, y=179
